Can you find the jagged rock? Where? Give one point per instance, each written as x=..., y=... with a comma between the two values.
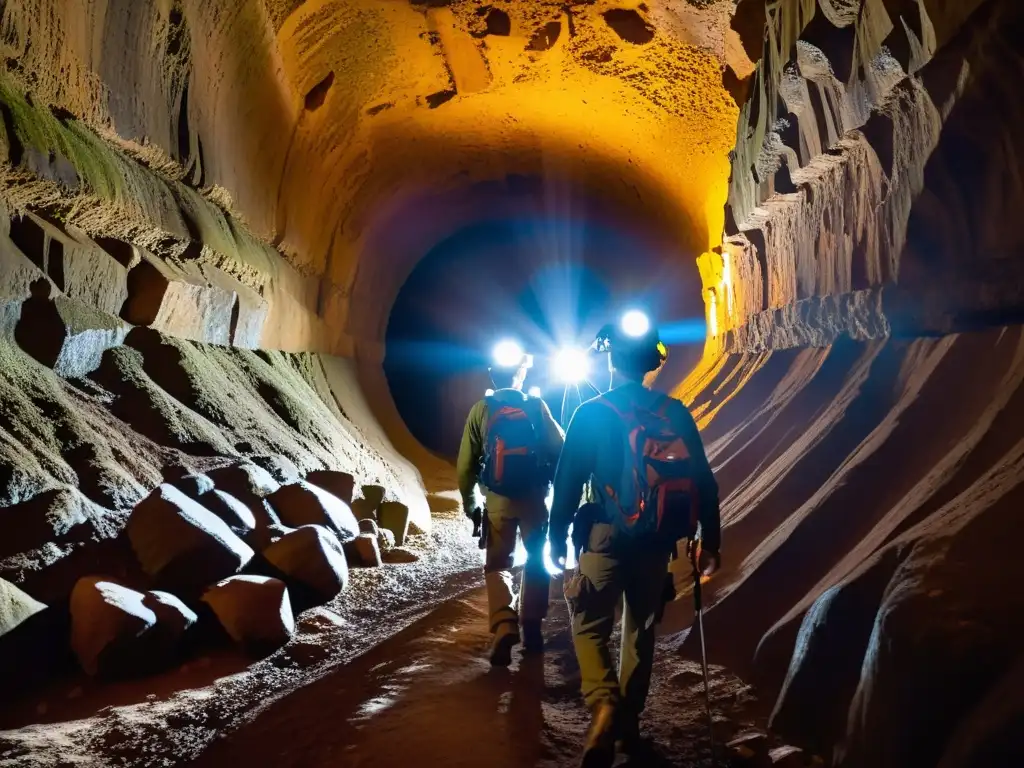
x=33, y=639
x=338, y=483
x=15, y=607
x=109, y=627
x=182, y=545
x=305, y=504
x=394, y=515
x=370, y=498
x=254, y=611
x=368, y=525
x=364, y=550
x=238, y=517
x=173, y=619
x=312, y=563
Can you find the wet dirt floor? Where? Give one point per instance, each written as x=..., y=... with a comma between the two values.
x=428, y=696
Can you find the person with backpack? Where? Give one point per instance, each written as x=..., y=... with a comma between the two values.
x=510, y=446
x=647, y=482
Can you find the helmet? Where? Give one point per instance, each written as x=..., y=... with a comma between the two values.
x=632, y=344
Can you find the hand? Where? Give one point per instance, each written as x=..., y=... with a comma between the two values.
x=559, y=554
x=708, y=562
x=476, y=515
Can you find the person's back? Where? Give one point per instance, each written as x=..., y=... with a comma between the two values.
x=640, y=458
x=510, y=446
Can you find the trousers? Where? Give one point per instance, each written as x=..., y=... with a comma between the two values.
x=613, y=573
x=506, y=517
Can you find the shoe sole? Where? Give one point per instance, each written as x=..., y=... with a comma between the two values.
x=501, y=656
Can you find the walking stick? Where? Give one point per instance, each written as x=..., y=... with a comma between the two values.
x=699, y=617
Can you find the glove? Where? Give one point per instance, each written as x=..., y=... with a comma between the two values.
x=708, y=562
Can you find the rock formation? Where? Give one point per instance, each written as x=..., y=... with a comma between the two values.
x=207, y=211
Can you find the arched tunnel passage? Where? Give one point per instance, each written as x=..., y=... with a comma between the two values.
x=546, y=279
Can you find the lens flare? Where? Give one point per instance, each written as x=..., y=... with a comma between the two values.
x=508, y=354
x=571, y=365
x=635, y=323
x=534, y=391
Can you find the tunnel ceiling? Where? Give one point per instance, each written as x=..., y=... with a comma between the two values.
x=326, y=126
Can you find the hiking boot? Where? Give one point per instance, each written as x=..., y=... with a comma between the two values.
x=501, y=647
x=599, y=749
x=628, y=741
x=533, y=640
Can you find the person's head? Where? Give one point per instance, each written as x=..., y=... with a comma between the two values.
x=634, y=357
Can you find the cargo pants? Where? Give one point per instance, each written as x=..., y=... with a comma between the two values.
x=530, y=518
x=613, y=572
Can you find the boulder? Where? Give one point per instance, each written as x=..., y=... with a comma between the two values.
x=254, y=611
x=236, y=515
x=385, y=539
x=280, y=467
x=338, y=483
x=399, y=555
x=311, y=561
x=15, y=607
x=246, y=481
x=181, y=544
x=173, y=620
x=304, y=504
x=370, y=498
x=369, y=525
x=33, y=638
x=364, y=550
x=394, y=515
x=192, y=485
x=109, y=627
x=787, y=757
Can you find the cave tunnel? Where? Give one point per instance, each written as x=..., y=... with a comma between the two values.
x=548, y=278
x=254, y=255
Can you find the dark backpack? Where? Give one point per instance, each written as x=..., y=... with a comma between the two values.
x=512, y=462
x=655, y=495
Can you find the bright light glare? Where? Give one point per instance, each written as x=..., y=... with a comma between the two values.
x=534, y=391
x=488, y=393
x=571, y=365
x=508, y=354
x=635, y=323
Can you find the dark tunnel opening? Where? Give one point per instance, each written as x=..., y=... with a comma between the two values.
x=545, y=282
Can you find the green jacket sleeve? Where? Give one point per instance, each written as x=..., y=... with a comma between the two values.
x=707, y=486
x=574, y=469
x=470, y=455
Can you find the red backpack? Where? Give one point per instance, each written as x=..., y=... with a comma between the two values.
x=655, y=493
x=512, y=463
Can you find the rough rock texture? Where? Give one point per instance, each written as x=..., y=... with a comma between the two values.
x=110, y=627
x=254, y=611
x=394, y=516
x=364, y=550
x=868, y=494
x=306, y=504
x=311, y=561
x=852, y=206
x=181, y=544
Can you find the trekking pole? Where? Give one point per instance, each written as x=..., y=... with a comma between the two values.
x=699, y=616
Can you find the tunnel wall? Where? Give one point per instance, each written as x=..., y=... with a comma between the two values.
x=860, y=399
x=873, y=176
